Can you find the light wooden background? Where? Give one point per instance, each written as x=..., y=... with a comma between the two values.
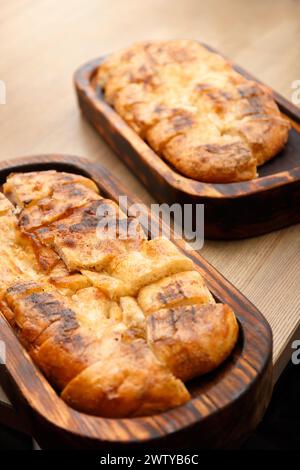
x=43, y=42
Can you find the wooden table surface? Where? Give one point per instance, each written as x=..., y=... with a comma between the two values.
x=43, y=42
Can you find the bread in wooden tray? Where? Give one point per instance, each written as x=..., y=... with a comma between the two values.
x=116, y=324
x=195, y=111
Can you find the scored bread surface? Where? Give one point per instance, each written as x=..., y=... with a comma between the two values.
x=195, y=111
x=116, y=323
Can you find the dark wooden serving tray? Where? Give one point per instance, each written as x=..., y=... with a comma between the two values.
x=233, y=210
x=226, y=405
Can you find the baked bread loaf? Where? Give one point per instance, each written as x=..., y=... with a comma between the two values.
x=195, y=111
x=116, y=323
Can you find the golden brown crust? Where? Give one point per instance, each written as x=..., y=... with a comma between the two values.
x=94, y=303
x=25, y=189
x=194, y=110
x=192, y=339
x=180, y=289
x=36, y=306
x=128, y=381
x=63, y=200
x=265, y=135
x=206, y=162
x=155, y=259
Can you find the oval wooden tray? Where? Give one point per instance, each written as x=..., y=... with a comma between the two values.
x=226, y=405
x=234, y=210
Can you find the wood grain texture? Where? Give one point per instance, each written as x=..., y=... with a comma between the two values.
x=42, y=45
x=226, y=404
x=232, y=210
